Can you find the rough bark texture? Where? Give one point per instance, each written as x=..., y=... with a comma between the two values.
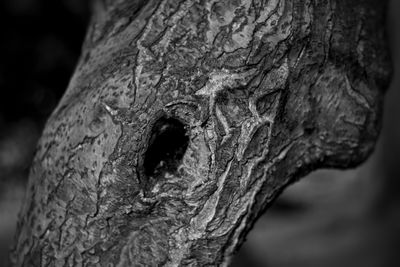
x=185, y=119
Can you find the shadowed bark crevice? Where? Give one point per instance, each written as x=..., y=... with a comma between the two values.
x=167, y=145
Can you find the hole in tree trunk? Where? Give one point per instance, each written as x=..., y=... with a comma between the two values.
x=167, y=145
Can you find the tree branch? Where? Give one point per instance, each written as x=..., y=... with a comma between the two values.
x=184, y=120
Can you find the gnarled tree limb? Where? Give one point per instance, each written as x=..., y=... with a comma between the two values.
x=185, y=119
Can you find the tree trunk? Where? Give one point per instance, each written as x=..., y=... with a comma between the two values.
x=184, y=120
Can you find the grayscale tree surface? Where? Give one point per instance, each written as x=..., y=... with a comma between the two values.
x=184, y=120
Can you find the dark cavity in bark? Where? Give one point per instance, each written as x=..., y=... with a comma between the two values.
x=167, y=145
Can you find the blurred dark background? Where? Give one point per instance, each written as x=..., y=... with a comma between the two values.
x=331, y=218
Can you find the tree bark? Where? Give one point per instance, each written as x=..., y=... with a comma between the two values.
x=184, y=120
